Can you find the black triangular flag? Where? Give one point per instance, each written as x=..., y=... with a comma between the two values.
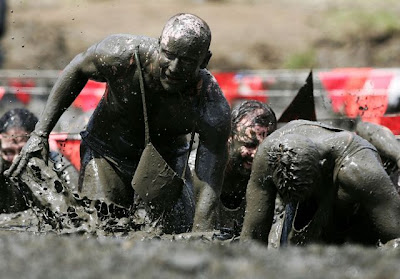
x=302, y=106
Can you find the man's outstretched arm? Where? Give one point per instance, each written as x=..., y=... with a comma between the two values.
x=260, y=201
x=208, y=183
x=65, y=90
x=211, y=159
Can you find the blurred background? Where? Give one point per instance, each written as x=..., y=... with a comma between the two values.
x=247, y=34
x=262, y=49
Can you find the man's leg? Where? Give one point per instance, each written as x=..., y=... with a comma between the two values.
x=100, y=180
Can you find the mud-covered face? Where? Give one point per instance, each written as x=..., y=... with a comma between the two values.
x=181, y=58
x=12, y=142
x=244, y=144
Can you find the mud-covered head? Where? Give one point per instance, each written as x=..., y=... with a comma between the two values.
x=15, y=128
x=295, y=164
x=251, y=122
x=184, y=50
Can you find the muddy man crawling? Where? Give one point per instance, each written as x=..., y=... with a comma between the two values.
x=333, y=181
x=181, y=95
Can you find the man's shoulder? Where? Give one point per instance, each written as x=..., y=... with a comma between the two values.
x=121, y=46
x=209, y=81
x=211, y=89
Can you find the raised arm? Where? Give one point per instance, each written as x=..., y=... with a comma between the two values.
x=67, y=87
x=260, y=200
x=211, y=159
x=382, y=138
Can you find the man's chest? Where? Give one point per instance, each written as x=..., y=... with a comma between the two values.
x=174, y=114
x=165, y=113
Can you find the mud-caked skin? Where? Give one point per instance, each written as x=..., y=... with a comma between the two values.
x=180, y=94
x=387, y=144
x=251, y=122
x=334, y=177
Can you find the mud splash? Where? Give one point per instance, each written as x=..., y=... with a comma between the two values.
x=54, y=208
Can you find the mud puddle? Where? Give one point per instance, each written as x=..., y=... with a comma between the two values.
x=71, y=238
x=37, y=255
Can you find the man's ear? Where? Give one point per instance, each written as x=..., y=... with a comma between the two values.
x=206, y=60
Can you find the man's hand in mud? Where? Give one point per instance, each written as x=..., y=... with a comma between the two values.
x=36, y=146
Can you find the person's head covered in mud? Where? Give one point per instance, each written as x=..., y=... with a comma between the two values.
x=295, y=165
x=15, y=128
x=252, y=121
x=184, y=50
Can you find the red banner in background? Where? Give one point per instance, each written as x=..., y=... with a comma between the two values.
x=392, y=122
x=2, y=92
x=22, y=89
x=68, y=146
x=90, y=96
x=371, y=101
x=237, y=87
x=340, y=82
x=358, y=91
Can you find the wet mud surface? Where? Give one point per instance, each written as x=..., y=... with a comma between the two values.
x=29, y=255
x=88, y=244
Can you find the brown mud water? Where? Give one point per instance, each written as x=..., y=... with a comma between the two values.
x=64, y=236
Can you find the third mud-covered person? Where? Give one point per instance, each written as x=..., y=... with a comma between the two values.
x=332, y=179
x=180, y=94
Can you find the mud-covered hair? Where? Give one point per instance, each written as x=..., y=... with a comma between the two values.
x=18, y=118
x=295, y=161
x=266, y=118
x=188, y=25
